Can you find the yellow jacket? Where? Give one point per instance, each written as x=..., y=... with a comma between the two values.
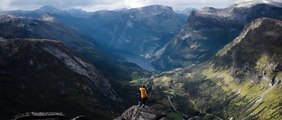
x=143, y=92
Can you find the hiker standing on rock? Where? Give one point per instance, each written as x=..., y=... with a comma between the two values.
x=143, y=95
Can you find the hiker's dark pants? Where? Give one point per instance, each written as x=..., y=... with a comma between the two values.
x=144, y=100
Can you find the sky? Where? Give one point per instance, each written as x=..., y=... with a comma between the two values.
x=94, y=5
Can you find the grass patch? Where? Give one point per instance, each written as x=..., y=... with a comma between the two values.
x=174, y=116
x=138, y=81
x=272, y=101
x=265, y=102
x=229, y=85
x=162, y=81
x=169, y=93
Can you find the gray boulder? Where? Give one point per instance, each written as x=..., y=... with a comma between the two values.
x=40, y=116
x=141, y=113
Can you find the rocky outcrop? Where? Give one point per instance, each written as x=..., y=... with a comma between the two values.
x=46, y=116
x=40, y=116
x=142, y=113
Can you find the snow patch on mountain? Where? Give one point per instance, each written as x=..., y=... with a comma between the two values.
x=48, y=18
x=250, y=3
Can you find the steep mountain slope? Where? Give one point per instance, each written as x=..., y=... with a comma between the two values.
x=242, y=81
x=116, y=69
x=186, y=11
x=43, y=75
x=140, y=30
x=21, y=27
x=208, y=30
x=37, y=13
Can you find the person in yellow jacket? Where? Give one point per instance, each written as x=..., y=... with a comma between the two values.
x=143, y=95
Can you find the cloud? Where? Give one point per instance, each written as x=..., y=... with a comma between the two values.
x=182, y=4
x=32, y=4
x=92, y=5
x=4, y=4
x=238, y=1
x=176, y=4
x=115, y=5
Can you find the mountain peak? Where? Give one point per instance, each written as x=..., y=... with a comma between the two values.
x=157, y=8
x=186, y=11
x=48, y=7
x=257, y=25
